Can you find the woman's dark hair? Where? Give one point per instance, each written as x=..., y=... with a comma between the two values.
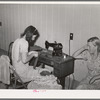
x=29, y=32
x=97, y=42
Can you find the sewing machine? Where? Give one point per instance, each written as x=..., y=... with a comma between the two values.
x=57, y=48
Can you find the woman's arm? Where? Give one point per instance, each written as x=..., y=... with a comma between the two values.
x=79, y=51
x=26, y=57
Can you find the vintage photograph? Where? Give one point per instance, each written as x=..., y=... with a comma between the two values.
x=52, y=46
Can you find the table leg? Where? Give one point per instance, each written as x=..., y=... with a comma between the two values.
x=62, y=82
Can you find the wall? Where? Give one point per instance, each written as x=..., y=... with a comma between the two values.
x=54, y=22
x=46, y=18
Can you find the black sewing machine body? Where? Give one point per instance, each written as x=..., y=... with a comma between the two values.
x=57, y=48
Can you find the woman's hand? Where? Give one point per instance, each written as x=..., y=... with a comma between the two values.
x=34, y=53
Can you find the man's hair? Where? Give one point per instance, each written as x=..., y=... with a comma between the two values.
x=97, y=42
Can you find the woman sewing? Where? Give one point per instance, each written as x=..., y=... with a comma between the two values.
x=21, y=57
x=91, y=54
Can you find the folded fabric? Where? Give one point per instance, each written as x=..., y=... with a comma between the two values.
x=45, y=82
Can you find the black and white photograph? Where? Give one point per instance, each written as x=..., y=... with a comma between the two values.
x=49, y=46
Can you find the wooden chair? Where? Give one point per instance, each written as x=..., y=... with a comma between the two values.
x=15, y=78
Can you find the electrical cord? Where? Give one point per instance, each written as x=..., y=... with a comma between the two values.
x=75, y=59
x=69, y=55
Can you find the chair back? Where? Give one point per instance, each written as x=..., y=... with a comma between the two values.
x=10, y=52
x=16, y=76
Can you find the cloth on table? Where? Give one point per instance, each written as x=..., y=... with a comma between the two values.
x=4, y=69
x=44, y=82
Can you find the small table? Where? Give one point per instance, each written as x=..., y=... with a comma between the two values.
x=63, y=65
